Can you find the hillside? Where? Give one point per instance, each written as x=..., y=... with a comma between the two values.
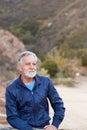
x=10, y=47
x=60, y=21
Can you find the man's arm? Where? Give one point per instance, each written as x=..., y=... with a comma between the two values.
x=57, y=105
x=12, y=114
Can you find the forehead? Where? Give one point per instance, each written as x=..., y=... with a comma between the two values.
x=29, y=58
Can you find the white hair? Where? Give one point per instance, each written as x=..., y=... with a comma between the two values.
x=26, y=53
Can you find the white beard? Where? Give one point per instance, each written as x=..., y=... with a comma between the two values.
x=30, y=74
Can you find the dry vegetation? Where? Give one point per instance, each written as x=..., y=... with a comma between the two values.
x=63, y=20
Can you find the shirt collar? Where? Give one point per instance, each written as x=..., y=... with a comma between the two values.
x=37, y=80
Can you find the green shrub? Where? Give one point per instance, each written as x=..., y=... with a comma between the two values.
x=80, y=52
x=64, y=50
x=27, y=38
x=32, y=25
x=26, y=31
x=51, y=66
x=84, y=60
x=43, y=72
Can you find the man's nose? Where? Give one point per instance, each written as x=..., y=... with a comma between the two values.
x=31, y=66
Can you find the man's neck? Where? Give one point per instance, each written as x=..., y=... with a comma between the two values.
x=27, y=80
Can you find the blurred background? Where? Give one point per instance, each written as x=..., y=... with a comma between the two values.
x=57, y=32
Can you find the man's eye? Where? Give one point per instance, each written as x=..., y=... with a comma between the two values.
x=34, y=64
x=27, y=63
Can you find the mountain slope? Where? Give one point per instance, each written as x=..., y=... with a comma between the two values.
x=59, y=19
x=10, y=48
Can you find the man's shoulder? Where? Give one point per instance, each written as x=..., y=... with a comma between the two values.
x=42, y=77
x=12, y=83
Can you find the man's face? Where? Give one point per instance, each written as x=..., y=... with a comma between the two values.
x=28, y=66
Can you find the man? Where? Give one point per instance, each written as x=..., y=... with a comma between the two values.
x=27, y=98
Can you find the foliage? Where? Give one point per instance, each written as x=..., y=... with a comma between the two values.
x=51, y=66
x=43, y=72
x=32, y=25
x=66, y=67
x=27, y=38
x=24, y=20
x=78, y=39
x=81, y=52
x=68, y=72
x=64, y=50
x=61, y=62
x=84, y=59
x=26, y=30
x=40, y=55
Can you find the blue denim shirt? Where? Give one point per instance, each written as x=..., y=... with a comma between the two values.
x=26, y=109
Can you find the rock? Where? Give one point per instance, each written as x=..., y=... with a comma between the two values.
x=4, y=127
x=10, y=46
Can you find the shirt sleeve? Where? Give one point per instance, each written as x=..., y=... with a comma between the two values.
x=57, y=105
x=12, y=114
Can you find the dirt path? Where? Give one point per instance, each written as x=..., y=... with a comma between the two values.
x=75, y=100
